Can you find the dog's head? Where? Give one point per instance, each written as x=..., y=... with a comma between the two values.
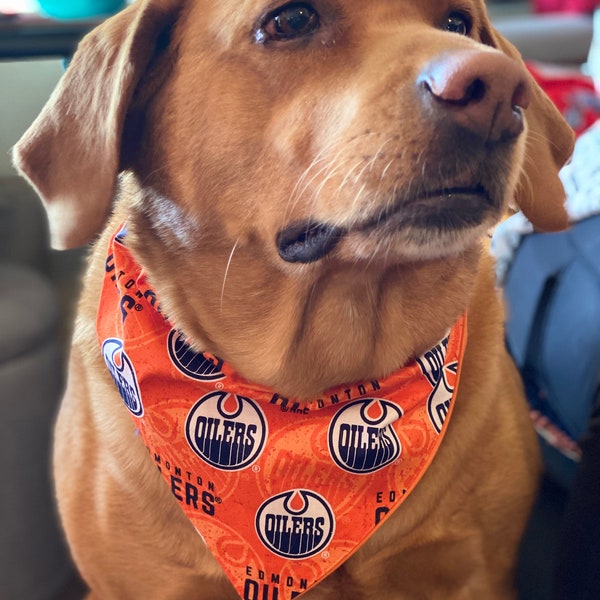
x=300, y=133
x=315, y=120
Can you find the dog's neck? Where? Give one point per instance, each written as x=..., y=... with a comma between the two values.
x=301, y=331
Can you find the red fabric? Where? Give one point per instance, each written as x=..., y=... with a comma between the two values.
x=572, y=6
x=572, y=93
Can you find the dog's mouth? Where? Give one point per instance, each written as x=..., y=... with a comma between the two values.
x=308, y=242
x=441, y=210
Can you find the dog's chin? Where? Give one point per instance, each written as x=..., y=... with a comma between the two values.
x=439, y=223
x=410, y=243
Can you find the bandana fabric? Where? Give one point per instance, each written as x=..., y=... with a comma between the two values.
x=282, y=491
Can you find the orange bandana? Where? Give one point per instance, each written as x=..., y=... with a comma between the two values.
x=282, y=491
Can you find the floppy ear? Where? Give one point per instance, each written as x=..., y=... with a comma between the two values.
x=71, y=153
x=550, y=141
x=549, y=144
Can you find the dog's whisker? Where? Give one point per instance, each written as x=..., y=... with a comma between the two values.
x=298, y=194
x=335, y=167
x=157, y=171
x=328, y=170
x=316, y=160
x=382, y=175
x=319, y=157
x=376, y=156
x=386, y=168
x=350, y=172
x=357, y=197
x=331, y=170
x=335, y=159
x=316, y=193
x=227, y=273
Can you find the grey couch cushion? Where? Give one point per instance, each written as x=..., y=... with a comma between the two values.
x=34, y=563
x=23, y=225
x=29, y=310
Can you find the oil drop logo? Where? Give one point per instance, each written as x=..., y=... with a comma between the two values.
x=443, y=377
x=195, y=365
x=361, y=436
x=226, y=430
x=295, y=524
x=123, y=374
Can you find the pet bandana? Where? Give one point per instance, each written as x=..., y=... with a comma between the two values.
x=282, y=491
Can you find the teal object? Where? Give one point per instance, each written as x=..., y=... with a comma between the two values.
x=79, y=9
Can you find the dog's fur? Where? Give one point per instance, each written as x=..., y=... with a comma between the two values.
x=223, y=142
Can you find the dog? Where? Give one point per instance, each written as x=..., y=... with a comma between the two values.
x=303, y=192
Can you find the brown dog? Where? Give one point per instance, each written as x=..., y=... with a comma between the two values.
x=307, y=187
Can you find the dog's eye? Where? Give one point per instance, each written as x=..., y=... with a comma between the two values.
x=457, y=22
x=288, y=22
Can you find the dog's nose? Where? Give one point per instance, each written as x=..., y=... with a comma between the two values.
x=482, y=91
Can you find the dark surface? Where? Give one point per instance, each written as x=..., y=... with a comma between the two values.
x=32, y=36
x=538, y=551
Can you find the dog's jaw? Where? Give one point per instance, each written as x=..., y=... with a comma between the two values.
x=324, y=324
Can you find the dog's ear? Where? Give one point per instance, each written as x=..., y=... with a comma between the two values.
x=549, y=144
x=71, y=153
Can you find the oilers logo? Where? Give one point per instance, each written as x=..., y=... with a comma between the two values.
x=191, y=363
x=295, y=524
x=361, y=437
x=226, y=430
x=123, y=374
x=442, y=377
